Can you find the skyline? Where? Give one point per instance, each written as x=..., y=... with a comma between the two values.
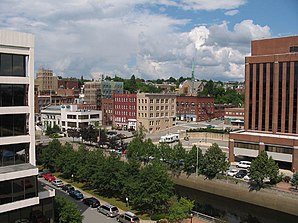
x=150, y=39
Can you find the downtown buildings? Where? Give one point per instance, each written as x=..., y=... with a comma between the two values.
x=20, y=194
x=271, y=102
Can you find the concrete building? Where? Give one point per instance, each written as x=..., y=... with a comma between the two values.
x=194, y=109
x=125, y=111
x=69, y=117
x=156, y=112
x=20, y=194
x=271, y=103
x=92, y=93
x=46, y=81
x=108, y=88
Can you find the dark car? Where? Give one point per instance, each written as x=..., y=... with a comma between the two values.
x=76, y=194
x=91, y=202
x=67, y=188
x=241, y=174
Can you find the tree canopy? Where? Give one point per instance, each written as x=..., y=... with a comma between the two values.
x=66, y=211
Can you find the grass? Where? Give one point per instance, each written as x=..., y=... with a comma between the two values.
x=111, y=200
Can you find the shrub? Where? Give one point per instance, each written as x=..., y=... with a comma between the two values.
x=156, y=217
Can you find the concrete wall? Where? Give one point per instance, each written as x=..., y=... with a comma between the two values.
x=280, y=201
x=204, y=135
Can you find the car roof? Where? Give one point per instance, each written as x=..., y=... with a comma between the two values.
x=108, y=205
x=130, y=214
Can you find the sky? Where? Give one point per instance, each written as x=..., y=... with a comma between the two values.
x=150, y=39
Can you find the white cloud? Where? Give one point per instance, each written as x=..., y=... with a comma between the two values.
x=81, y=37
x=232, y=12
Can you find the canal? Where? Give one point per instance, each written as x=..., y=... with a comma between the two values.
x=233, y=211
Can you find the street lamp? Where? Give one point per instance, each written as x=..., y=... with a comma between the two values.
x=191, y=216
x=127, y=204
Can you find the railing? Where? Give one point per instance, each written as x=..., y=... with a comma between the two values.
x=206, y=218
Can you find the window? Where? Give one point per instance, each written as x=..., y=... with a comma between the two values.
x=13, y=95
x=13, y=125
x=151, y=101
x=71, y=116
x=14, y=154
x=12, y=65
x=83, y=116
x=94, y=116
x=72, y=124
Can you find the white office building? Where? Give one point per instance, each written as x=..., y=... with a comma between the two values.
x=20, y=194
x=70, y=117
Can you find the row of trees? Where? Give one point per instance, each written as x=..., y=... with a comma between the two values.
x=148, y=187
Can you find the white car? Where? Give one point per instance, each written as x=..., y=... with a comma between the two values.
x=244, y=164
x=57, y=183
x=247, y=177
x=232, y=172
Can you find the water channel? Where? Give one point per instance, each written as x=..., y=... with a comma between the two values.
x=233, y=211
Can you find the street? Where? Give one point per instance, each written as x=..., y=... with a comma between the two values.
x=90, y=214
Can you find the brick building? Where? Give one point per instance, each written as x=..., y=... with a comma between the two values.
x=234, y=117
x=271, y=111
x=107, y=111
x=193, y=108
x=125, y=111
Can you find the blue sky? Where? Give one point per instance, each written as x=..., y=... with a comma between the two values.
x=148, y=38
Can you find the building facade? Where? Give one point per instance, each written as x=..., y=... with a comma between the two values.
x=125, y=111
x=69, y=117
x=107, y=111
x=234, y=117
x=156, y=112
x=195, y=109
x=271, y=103
x=108, y=88
x=92, y=93
x=20, y=194
x=46, y=81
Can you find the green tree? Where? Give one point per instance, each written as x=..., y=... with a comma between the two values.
x=263, y=167
x=177, y=159
x=152, y=189
x=180, y=210
x=51, y=130
x=66, y=211
x=193, y=157
x=214, y=161
x=50, y=154
x=294, y=181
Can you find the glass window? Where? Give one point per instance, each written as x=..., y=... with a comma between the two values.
x=6, y=65
x=30, y=187
x=18, y=62
x=5, y=192
x=94, y=116
x=18, y=189
x=83, y=116
x=14, y=154
x=12, y=125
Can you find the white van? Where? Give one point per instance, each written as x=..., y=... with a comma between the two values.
x=169, y=138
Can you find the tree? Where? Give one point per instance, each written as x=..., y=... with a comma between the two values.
x=263, y=167
x=74, y=133
x=53, y=130
x=180, y=210
x=294, y=181
x=193, y=157
x=152, y=188
x=50, y=155
x=66, y=211
x=214, y=161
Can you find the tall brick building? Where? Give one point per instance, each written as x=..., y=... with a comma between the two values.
x=271, y=98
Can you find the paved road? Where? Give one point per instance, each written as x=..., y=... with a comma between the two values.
x=90, y=214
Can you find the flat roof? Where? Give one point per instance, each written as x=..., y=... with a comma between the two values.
x=267, y=135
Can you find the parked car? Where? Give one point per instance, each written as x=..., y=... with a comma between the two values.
x=244, y=164
x=246, y=177
x=232, y=172
x=67, y=187
x=128, y=217
x=108, y=210
x=57, y=183
x=76, y=194
x=91, y=202
x=49, y=177
x=241, y=174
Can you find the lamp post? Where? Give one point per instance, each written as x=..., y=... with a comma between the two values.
x=191, y=216
x=127, y=204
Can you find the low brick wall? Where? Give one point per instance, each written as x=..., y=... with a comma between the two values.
x=204, y=135
x=280, y=201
